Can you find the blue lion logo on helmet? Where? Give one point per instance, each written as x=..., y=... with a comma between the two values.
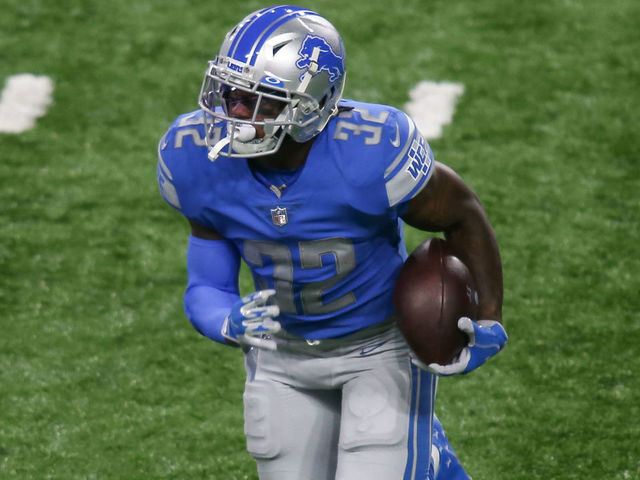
x=327, y=60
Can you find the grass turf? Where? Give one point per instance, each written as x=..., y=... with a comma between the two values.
x=101, y=375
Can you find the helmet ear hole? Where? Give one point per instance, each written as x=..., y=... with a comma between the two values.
x=308, y=106
x=330, y=94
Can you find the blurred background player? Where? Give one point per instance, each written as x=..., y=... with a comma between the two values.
x=311, y=191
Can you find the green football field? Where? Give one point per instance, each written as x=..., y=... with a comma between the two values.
x=103, y=377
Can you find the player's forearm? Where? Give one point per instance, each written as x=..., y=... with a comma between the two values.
x=212, y=285
x=206, y=308
x=474, y=241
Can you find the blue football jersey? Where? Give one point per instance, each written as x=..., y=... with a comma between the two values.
x=330, y=243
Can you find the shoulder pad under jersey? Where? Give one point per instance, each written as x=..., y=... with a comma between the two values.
x=385, y=146
x=182, y=155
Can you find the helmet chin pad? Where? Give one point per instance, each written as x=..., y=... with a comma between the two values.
x=256, y=145
x=242, y=141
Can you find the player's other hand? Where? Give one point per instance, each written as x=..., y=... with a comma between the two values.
x=251, y=321
x=486, y=339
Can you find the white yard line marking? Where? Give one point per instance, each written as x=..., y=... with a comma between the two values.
x=432, y=105
x=25, y=98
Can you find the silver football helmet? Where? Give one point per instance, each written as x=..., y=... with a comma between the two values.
x=286, y=65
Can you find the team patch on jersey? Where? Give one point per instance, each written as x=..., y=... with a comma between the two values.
x=405, y=182
x=279, y=216
x=420, y=161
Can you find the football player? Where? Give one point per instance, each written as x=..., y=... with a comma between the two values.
x=311, y=190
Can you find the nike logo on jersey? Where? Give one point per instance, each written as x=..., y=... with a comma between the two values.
x=396, y=141
x=367, y=349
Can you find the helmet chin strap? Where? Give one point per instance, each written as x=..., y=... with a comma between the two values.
x=215, y=151
x=311, y=71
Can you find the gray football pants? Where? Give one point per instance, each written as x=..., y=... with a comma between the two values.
x=353, y=408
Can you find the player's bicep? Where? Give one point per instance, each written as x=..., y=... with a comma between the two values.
x=443, y=203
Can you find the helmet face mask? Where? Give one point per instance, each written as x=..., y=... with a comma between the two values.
x=286, y=66
x=265, y=103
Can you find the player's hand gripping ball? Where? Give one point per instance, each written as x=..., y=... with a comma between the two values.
x=433, y=291
x=486, y=339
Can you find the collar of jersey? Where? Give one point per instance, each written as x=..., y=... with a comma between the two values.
x=256, y=173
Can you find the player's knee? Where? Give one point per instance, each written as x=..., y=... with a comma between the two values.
x=261, y=421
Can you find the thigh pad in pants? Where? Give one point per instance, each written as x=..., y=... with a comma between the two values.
x=375, y=410
x=263, y=420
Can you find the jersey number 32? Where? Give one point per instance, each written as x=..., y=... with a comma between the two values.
x=311, y=255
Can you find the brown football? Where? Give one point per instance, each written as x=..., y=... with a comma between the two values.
x=434, y=289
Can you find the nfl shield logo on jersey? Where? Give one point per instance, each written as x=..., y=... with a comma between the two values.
x=279, y=216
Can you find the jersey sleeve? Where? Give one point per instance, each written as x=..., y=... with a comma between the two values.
x=382, y=150
x=410, y=161
x=165, y=177
x=181, y=150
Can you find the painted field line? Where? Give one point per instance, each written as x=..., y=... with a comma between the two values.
x=432, y=105
x=25, y=98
